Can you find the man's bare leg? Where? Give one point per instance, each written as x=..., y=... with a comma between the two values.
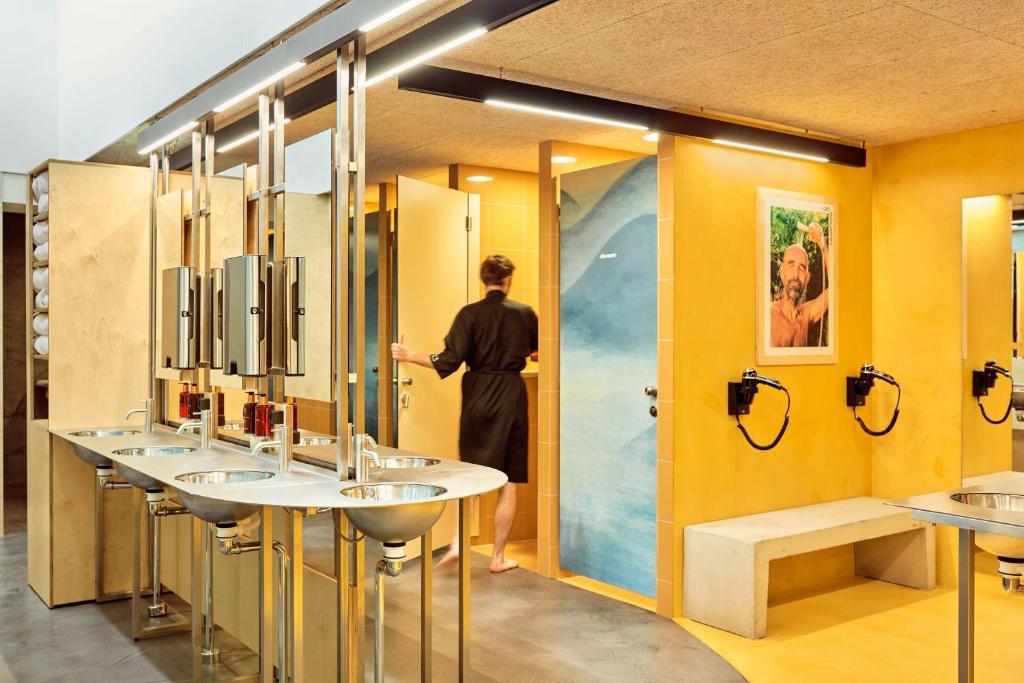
x=504, y=516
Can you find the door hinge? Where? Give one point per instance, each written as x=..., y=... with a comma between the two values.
x=469, y=223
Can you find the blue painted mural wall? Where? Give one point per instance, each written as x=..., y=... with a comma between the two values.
x=608, y=353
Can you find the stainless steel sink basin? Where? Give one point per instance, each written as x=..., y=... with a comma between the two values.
x=136, y=478
x=317, y=441
x=214, y=510
x=91, y=456
x=414, y=510
x=1002, y=546
x=399, y=462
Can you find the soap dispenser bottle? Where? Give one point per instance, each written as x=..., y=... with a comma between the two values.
x=263, y=411
x=249, y=413
x=183, y=402
x=220, y=406
x=193, y=401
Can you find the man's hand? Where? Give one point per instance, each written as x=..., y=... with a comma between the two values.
x=400, y=352
x=816, y=234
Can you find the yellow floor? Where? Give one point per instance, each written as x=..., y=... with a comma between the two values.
x=863, y=630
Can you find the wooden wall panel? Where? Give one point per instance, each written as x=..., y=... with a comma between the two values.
x=38, y=523
x=308, y=233
x=99, y=242
x=170, y=210
x=227, y=238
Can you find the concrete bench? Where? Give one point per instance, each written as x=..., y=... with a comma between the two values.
x=726, y=574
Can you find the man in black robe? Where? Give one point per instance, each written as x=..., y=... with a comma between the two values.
x=493, y=336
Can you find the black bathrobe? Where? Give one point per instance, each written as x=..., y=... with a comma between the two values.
x=493, y=337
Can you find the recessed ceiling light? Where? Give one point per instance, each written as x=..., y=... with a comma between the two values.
x=771, y=150
x=563, y=114
x=388, y=16
x=479, y=178
x=651, y=137
x=270, y=80
x=563, y=160
x=429, y=54
x=243, y=139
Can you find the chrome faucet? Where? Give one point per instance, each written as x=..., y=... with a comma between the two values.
x=361, y=449
x=204, y=424
x=284, y=443
x=148, y=410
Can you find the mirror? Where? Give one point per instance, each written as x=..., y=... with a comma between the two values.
x=993, y=250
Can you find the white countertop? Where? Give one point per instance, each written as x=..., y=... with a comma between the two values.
x=304, y=486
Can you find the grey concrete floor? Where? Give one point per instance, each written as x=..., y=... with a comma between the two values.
x=524, y=628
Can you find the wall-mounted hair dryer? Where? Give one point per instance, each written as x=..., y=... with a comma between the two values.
x=858, y=388
x=741, y=396
x=983, y=380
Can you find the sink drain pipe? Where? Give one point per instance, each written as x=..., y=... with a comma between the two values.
x=1011, y=570
x=391, y=565
x=156, y=499
x=229, y=543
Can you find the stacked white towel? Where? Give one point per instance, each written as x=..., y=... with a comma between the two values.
x=41, y=323
x=43, y=299
x=41, y=232
x=41, y=345
x=41, y=184
x=42, y=252
x=44, y=203
x=41, y=278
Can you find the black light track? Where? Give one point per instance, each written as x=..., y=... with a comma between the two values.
x=478, y=88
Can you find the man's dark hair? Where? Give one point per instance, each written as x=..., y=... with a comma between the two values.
x=495, y=269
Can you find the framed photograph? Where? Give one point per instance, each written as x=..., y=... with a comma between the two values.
x=797, y=303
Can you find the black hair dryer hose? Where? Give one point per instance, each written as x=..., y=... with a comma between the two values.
x=983, y=380
x=857, y=390
x=741, y=395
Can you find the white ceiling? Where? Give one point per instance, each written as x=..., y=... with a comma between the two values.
x=877, y=71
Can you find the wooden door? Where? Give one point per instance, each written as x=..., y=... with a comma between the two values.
x=437, y=262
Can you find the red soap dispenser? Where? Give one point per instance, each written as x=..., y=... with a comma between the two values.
x=183, y=402
x=263, y=411
x=249, y=413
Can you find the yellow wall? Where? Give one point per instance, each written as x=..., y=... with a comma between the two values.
x=919, y=188
x=824, y=455
x=988, y=324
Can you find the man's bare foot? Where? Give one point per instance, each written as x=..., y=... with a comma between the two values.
x=503, y=565
x=451, y=556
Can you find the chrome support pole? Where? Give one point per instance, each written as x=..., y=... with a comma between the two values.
x=378, y=626
x=266, y=596
x=282, y=610
x=197, y=599
x=341, y=244
x=965, y=608
x=157, y=607
x=154, y=171
x=341, y=558
x=293, y=544
x=464, y=589
x=359, y=208
x=210, y=652
x=136, y=562
x=426, y=607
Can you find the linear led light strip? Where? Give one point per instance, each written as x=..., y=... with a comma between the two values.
x=770, y=150
x=270, y=80
x=388, y=16
x=429, y=54
x=242, y=140
x=563, y=114
x=170, y=136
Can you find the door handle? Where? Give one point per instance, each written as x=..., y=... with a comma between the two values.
x=403, y=380
x=651, y=391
